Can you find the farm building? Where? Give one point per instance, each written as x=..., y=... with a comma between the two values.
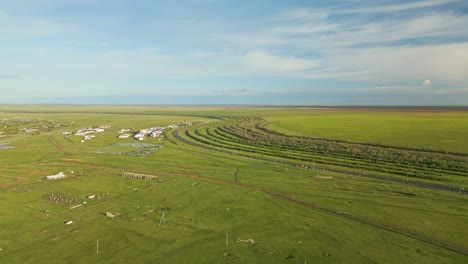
x=30, y=130
x=141, y=134
x=124, y=135
x=123, y=130
x=156, y=133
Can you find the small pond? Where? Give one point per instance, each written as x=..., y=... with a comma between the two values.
x=5, y=147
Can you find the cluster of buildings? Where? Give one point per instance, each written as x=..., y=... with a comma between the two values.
x=147, y=132
x=150, y=132
x=87, y=133
x=31, y=130
x=92, y=130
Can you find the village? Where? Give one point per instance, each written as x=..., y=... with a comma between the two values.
x=17, y=125
x=156, y=131
x=90, y=133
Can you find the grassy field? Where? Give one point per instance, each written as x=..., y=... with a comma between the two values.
x=210, y=206
x=438, y=130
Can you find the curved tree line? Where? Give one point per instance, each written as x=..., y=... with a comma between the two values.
x=400, y=161
x=247, y=138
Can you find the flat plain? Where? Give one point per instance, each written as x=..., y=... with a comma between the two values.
x=235, y=185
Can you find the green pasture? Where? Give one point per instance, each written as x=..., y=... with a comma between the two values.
x=446, y=131
x=208, y=217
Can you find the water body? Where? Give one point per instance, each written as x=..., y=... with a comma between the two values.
x=5, y=147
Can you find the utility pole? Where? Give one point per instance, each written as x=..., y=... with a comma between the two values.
x=163, y=219
x=227, y=239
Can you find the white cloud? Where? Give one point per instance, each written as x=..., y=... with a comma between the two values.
x=427, y=83
x=414, y=90
x=444, y=63
x=359, y=49
x=395, y=7
x=262, y=61
x=394, y=89
x=459, y=91
x=27, y=28
x=304, y=43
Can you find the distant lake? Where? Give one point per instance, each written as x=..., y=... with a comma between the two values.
x=5, y=147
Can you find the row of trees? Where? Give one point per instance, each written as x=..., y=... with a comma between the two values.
x=246, y=136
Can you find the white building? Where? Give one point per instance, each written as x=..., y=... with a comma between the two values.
x=123, y=130
x=156, y=133
x=141, y=134
x=60, y=175
x=124, y=135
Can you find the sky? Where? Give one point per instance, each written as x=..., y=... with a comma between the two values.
x=266, y=52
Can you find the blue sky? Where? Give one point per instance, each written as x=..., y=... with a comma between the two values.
x=234, y=52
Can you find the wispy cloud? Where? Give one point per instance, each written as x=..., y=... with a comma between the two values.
x=414, y=90
x=9, y=76
x=460, y=91
x=394, y=7
x=31, y=28
x=229, y=91
x=395, y=89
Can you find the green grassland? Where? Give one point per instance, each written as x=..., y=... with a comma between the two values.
x=438, y=130
x=291, y=214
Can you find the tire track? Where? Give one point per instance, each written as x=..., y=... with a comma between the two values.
x=54, y=142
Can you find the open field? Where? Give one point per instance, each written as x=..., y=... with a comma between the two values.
x=446, y=129
x=232, y=189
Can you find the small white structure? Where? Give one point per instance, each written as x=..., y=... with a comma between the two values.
x=123, y=130
x=69, y=222
x=30, y=130
x=91, y=196
x=109, y=214
x=124, y=135
x=60, y=175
